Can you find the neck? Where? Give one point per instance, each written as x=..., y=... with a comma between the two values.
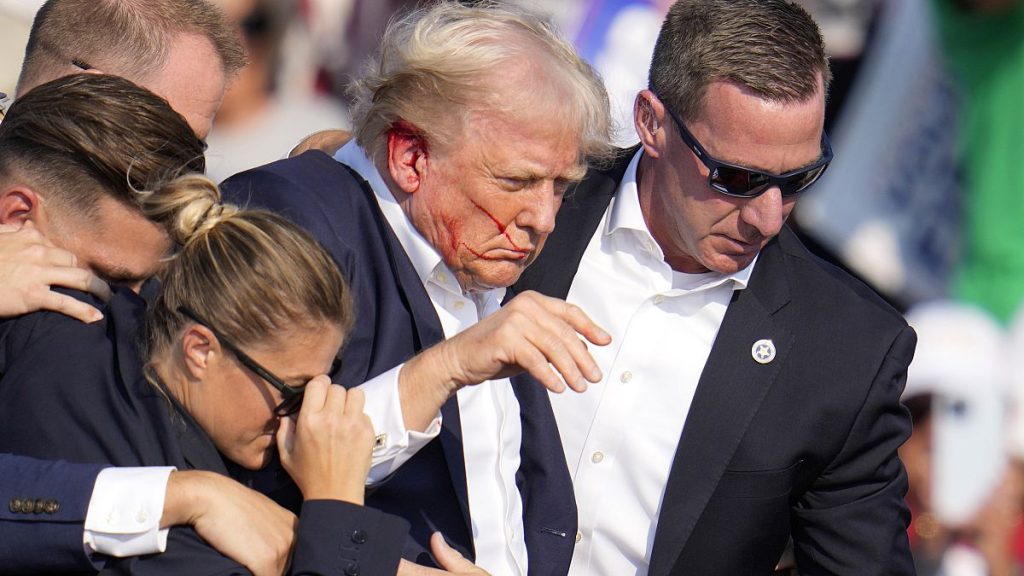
x=170, y=377
x=654, y=213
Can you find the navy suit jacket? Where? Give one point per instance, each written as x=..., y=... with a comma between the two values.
x=394, y=320
x=52, y=540
x=76, y=391
x=803, y=446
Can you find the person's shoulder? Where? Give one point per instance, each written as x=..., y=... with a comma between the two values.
x=45, y=347
x=310, y=172
x=834, y=289
x=20, y=331
x=313, y=190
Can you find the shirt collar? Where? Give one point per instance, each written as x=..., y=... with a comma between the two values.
x=425, y=260
x=624, y=213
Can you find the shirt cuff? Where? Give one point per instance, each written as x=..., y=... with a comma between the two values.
x=124, y=513
x=394, y=444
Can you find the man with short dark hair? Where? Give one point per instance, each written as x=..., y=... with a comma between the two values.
x=751, y=391
x=185, y=51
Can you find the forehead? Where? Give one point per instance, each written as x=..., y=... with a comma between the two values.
x=740, y=127
x=523, y=145
x=118, y=243
x=298, y=354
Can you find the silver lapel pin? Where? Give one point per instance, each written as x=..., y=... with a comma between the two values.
x=763, y=351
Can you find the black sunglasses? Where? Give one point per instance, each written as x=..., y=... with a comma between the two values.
x=292, y=395
x=740, y=182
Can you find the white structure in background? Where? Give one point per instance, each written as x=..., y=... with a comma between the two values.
x=15, y=22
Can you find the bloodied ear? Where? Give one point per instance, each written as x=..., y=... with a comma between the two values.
x=407, y=156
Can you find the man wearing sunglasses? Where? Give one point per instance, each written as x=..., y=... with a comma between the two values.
x=751, y=391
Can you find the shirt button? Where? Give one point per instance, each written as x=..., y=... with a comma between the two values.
x=142, y=517
x=659, y=299
x=626, y=377
x=579, y=536
x=459, y=304
x=443, y=279
x=597, y=457
x=359, y=536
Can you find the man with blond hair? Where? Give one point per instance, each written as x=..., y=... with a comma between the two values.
x=469, y=128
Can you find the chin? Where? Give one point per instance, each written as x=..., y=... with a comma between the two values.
x=252, y=459
x=723, y=264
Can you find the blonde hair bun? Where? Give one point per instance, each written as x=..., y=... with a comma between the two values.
x=189, y=207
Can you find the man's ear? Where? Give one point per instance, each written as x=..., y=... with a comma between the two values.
x=200, y=350
x=19, y=204
x=649, y=119
x=407, y=157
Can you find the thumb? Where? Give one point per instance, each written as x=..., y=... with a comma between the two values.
x=449, y=558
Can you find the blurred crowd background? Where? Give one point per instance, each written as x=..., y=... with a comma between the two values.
x=923, y=200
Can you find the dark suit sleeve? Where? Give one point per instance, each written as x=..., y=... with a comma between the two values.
x=336, y=537
x=853, y=520
x=50, y=540
x=333, y=538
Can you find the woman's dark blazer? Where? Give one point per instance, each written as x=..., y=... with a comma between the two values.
x=76, y=392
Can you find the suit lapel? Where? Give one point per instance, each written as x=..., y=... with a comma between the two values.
x=729, y=393
x=428, y=331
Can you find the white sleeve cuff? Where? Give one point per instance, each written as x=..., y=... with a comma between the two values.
x=394, y=444
x=124, y=513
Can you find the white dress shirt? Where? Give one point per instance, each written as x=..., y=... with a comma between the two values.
x=123, y=517
x=620, y=437
x=491, y=429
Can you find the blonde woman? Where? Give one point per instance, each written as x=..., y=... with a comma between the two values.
x=251, y=314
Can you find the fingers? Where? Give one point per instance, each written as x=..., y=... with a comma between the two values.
x=538, y=366
x=355, y=402
x=54, y=256
x=559, y=342
x=78, y=279
x=582, y=323
x=69, y=306
x=315, y=398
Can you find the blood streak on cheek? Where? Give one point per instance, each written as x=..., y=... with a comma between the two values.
x=478, y=254
x=454, y=233
x=502, y=229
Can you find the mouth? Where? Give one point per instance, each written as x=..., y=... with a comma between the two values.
x=501, y=253
x=741, y=246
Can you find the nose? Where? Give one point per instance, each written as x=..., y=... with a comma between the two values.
x=765, y=212
x=539, y=214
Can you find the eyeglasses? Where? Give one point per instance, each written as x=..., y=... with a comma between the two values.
x=740, y=182
x=292, y=395
x=5, y=103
